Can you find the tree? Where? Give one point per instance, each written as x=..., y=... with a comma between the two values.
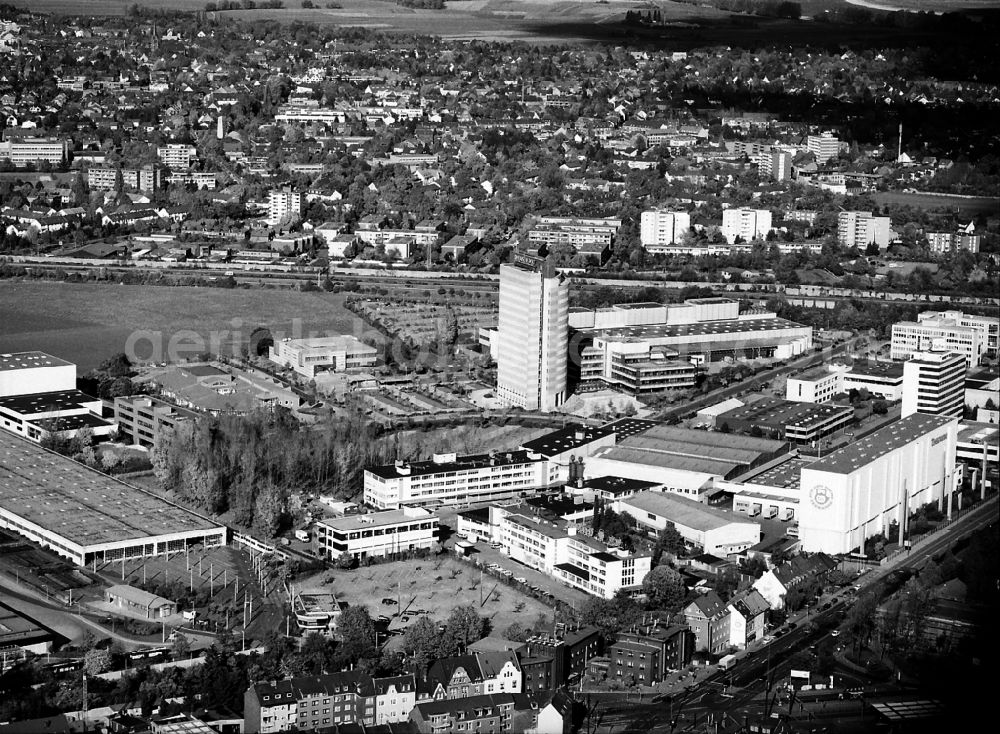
x=664, y=588
x=669, y=540
x=97, y=661
x=464, y=626
x=357, y=633
x=515, y=632
x=182, y=646
x=423, y=641
x=82, y=439
x=315, y=655
x=118, y=365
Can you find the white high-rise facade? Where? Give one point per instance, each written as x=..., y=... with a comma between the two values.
x=533, y=335
x=659, y=229
x=860, y=229
x=282, y=203
x=824, y=147
x=934, y=384
x=745, y=224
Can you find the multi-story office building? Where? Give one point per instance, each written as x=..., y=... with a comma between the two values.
x=745, y=224
x=774, y=164
x=309, y=357
x=859, y=490
x=934, y=383
x=660, y=229
x=282, y=203
x=820, y=384
x=377, y=534
x=142, y=419
x=177, y=156
x=635, y=366
x=532, y=334
x=591, y=235
x=449, y=479
x=25, y=151
x=860, y=229
x=952, y=331
x=824, y=147
x=578, y=560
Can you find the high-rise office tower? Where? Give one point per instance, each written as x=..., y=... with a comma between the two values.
x=533, y=335
x=934, y=384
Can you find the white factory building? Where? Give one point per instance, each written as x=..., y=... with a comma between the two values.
x=28, y=373
x=821, y=383
x=857, y=491
x=716, y=532
x=308, y=357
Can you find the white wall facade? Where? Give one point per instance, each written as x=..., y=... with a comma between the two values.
x=841, y=509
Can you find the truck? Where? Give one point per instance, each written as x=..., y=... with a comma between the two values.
x=302, y=535
x=726, y=662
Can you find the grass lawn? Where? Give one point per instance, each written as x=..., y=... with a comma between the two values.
x=87, y=322
x=436, y=585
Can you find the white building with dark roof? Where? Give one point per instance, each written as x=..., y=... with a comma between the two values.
x=378, y=534
x=25, y=373
x=858, y=490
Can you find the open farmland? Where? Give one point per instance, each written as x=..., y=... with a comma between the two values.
x=434, y=585
x=967, y=206
x=86, y=322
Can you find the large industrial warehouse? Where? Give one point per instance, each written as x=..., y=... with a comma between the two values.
x=86, y=516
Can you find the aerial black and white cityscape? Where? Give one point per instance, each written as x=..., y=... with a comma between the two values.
x=499, y=366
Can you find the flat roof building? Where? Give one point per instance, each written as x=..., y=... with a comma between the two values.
x=796, y=422
x=450, y=479
x=378, y=534
x=36, y=416
x=970, y=335
x=309, y=357
x=86, y=516
x=857, y=491
x=18, y=631
x=934, y=383
x=142, y=418
x=25, y=373
x=714, y=531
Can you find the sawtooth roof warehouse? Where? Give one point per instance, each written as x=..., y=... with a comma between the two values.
x=87, y=516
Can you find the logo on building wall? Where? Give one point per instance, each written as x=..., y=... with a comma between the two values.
x=821, y=496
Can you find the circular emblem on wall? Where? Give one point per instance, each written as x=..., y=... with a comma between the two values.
x=821, y=496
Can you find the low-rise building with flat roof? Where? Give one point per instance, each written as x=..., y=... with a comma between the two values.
x=62, y=413
x=308, y=357
x=18, y=631
x=795, y=422
x=86, y=516
x=378, y=534
x=714, y=531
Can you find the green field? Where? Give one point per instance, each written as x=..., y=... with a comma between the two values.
x=85, y=323
x=967, y=205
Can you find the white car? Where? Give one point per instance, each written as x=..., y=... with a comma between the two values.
x=521, y=580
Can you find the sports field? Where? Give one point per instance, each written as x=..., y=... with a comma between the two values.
x=86, y=322
x=433, y=585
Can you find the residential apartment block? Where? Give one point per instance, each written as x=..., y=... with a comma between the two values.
x=708, y=618
x=774, y=164
x=945, y=242
x=644, y=656
x=476, y=674
x=147, y=178
x=660, y=229
x=824, y=147
x=325, y=701
x=283, y=203
x=177, y=156
x=745, y=224
x=860, y=229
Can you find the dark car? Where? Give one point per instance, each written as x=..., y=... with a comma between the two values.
x=792, y=625
x=389, y=602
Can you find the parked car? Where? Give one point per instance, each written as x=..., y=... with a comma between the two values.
x=521, y=580
x=389, y=602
